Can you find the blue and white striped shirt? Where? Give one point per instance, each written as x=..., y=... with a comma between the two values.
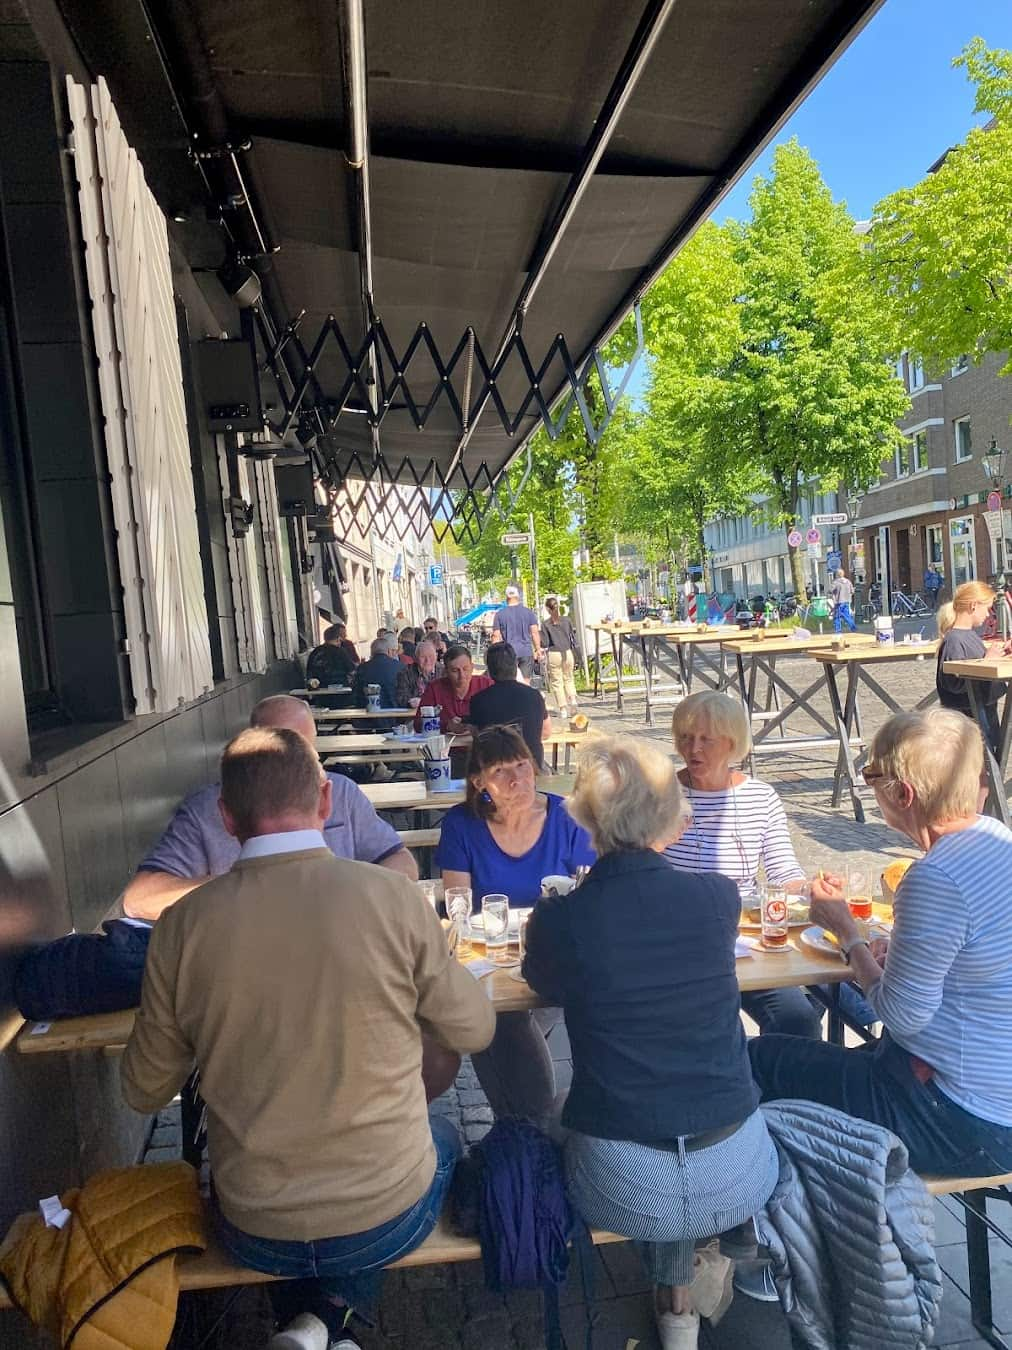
x=946, y=992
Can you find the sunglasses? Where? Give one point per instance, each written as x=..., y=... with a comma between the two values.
x=873, y=776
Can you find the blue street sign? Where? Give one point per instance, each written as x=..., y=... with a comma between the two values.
x=834, y=559
x=435, y=574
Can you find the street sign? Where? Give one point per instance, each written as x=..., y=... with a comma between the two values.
x=834, y=559
x=814, y=550
x=794, y=539
x=435, y=574
x=993, y=519
x=814, y=537
x=516, y=538
x=994, y=501
x=831, y=518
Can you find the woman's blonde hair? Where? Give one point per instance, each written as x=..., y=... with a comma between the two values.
x=946, y=617
x=939, y=753
x=716, y=714
x=627, y=795
x=972, y=593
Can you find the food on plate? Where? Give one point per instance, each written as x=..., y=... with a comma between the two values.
x=892, y=876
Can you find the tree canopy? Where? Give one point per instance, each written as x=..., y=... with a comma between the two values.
x=941, y=251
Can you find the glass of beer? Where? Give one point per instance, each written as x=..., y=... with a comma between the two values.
x=859, y=892
x=495, y=911
x=458, y=911
x=773, y=908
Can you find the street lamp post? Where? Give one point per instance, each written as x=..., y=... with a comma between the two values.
x=994, y=470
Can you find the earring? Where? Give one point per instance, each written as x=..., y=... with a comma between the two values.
x=486, y=796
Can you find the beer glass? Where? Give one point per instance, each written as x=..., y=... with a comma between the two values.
x=495, y=911
x=773, y=908
x=859, y=892
x=458, y=911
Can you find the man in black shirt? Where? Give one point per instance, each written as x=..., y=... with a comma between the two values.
x=510, y=703
x=331, y=663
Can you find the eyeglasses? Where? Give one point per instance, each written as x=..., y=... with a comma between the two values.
x=872, y=776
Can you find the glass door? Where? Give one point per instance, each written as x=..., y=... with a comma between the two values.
x=962, y=550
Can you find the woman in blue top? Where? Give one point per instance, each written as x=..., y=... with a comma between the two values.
x=502, y=841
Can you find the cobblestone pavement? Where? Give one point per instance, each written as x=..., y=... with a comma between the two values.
x=448, y=1308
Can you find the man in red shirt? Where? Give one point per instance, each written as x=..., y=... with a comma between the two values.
x=452, y=693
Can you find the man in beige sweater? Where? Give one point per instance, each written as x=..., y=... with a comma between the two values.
x=303, y=986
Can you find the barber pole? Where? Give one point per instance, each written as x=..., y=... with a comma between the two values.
x=690, y=602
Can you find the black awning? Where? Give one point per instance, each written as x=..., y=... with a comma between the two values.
x=478, y=115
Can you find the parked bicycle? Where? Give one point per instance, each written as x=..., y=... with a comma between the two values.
x=909, y=606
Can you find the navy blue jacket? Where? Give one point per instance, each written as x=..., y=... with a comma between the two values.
x=83, y=973
x=641, y=957
x=381, y=670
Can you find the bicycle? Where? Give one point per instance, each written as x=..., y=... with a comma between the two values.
x=909, y=606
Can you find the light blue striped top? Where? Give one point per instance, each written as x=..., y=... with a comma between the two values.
x=946, y=992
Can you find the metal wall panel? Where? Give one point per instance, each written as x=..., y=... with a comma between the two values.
x=140, y=378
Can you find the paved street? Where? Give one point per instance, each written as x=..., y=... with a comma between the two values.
x=449, y=1308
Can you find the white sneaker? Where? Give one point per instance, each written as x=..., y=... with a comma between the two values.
x=305, y=1332
x=712, y=1287
x=678, y=1331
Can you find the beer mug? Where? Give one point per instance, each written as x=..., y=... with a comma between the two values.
x=430, y=721
x=372, y=697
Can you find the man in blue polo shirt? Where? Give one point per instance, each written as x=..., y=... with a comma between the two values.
x=196, y=846
x=518, y=625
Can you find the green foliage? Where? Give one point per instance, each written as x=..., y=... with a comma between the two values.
x=941, y=252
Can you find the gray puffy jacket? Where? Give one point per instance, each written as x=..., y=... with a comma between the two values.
x=851, y=1231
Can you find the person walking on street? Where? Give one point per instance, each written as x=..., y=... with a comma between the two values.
x=842, y=592
x=558, y=639
x=933, y=583
x=518, y=625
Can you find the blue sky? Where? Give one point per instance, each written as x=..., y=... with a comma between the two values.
x=892, y=103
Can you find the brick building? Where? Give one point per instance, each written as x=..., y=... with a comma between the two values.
x=929, y=506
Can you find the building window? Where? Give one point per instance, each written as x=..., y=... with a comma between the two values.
x=919, y=451
x=933, y=544
x=904, y=456
x=960, y=364
x=962, y=546
x=915, y=374
x=964, y=443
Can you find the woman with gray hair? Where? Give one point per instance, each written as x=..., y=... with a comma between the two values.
x=665, y=1141
x=941, y=1074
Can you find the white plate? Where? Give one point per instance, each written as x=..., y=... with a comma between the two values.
x=478, y=921
x=817, y=938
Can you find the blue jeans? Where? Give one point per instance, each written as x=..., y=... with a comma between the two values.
x=878, y=1084
x=842, y=615
x=346, y=1269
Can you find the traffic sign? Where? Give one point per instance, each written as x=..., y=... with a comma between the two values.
x=834, y=559
x=814, y=537
x=994, y=524
x=831, y=518
x=814, y=550
x=794, y=539
x=435, y=574
x=994, y=501
x=516, y=538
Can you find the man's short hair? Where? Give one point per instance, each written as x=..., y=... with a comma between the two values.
x=501, y=661
x=455, y=652
x=381, y=646
x=269, y=772
x=512, y=591
x=431, y=620
x=334, y=632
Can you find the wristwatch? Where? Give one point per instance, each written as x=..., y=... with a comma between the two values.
x=847, y=947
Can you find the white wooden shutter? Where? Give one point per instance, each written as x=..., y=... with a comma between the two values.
x=141, y=387
x=270, y=532
x=242, y=566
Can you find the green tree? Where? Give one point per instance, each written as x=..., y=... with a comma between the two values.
x=941, y=252
x=810, y=399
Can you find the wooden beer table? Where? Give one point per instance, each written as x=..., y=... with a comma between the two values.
x=325, y=691
x=686, y=640
x=995, y=764
x=760, y=653
x=362, y=715
x=858, y=662
x=797, y=967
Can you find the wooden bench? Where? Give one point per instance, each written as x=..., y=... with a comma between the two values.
x=213, y=1269
x=973, y=1194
